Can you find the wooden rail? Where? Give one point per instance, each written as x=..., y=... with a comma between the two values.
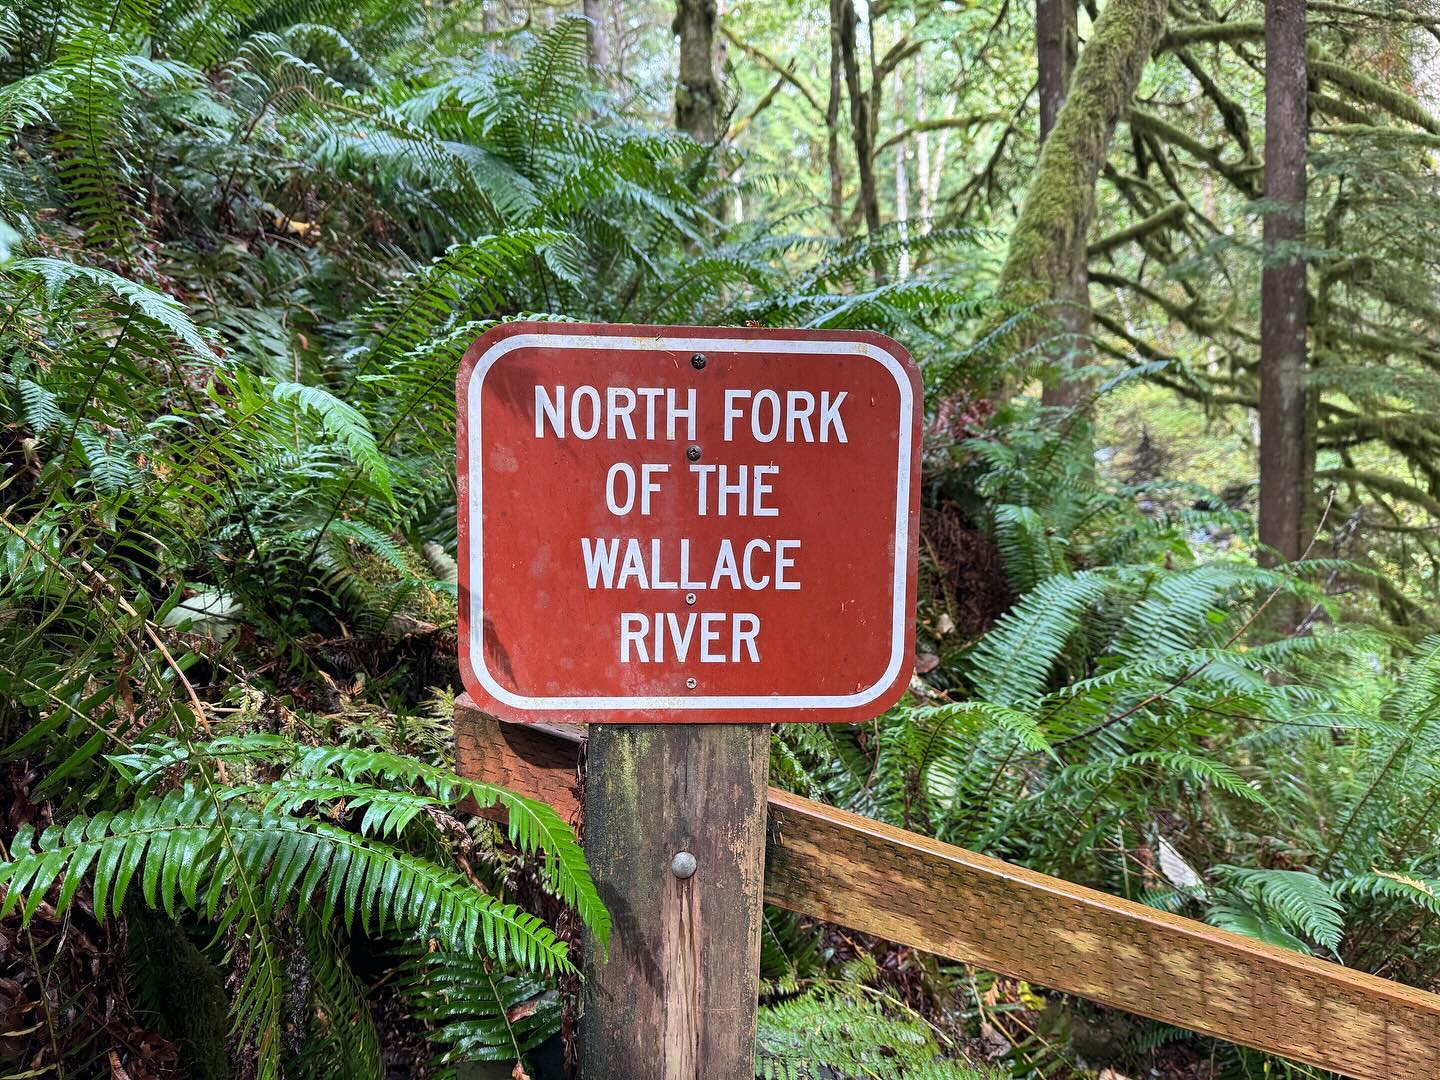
x=910, y=889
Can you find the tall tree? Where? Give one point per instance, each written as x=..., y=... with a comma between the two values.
x=699, y=104
x=1048, y=243
x=1055, y=49
x=862, y=124
x=1285, y=461
x=1056, y=45
x=597, y=34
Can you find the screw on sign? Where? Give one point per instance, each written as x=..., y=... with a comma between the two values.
x=679, y=535
x=610, y=474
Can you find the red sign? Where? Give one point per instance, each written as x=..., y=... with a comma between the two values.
x=687, y=525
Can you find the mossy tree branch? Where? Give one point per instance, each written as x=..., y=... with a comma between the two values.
x=1172, y=214
x=1058, y=202
x=1244, y=177
x=1179, y=37
x=1047, y=247
x=1362, y=86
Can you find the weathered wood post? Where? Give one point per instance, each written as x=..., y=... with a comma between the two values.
x=675, y=837
x=679, y=535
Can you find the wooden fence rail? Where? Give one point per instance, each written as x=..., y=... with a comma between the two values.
x=945, y=900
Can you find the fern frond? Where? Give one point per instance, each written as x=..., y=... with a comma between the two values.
x=1299, y=900
x=479, y=1012
x=1012, y=665
x=343, y=422
x=180, y=846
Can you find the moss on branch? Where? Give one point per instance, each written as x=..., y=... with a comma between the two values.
x=1245, y=178
x=1202, y=33
x=1170, y=215
x=1341, y=110
x=1048, y=242
x=1395, y=102
x=1386, y=485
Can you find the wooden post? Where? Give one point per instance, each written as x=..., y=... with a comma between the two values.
x=675, y=999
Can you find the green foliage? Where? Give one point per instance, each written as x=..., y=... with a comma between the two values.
x=480, y=1012
x=1299, y=901
x=242, y=249
x=345, y=1040
x=1127, y=722
x=831, y=1033
x=239, y=855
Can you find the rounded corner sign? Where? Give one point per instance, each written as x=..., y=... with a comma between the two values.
x=687, y=524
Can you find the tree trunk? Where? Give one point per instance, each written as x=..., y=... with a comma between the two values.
x=1048, y=241
x=937, y=163
x=1055, y=50
x=902, y=201
x=698, y=98
x=1056, y=45
x=832, y=122
x=862, y=127
x=597, y=34
x=1284, y=453
x=922, y=151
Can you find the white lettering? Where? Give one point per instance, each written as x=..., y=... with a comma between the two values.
x=753, y=580
x=672, y=414
x=732, y=413
x=621, y=505
x=681, y=641
x=703, y=472
x=656, y=581
x=577, y=428
x=725, y=567
x=782, y=564
x=648, y=485
x=614, y=410
x=643, y=638
x=685, y=582
x=745, y=630
x=633, y=565
x=553, y=410
x=649, y=394
x=613, y=504
x=599, y=558
x=724, y=490
x=757, y=504
x=773, y=400
x=709, y=636
x=662, y=565
x=830, y=416
x=796, y=416
x=633, y=625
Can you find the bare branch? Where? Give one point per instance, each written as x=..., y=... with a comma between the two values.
x=760, y=106
x=972, y=120
x=774, y=65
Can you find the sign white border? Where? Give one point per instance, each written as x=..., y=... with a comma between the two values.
x=798, y=346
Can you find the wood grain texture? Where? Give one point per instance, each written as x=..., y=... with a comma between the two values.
x=908, y=888
x=676, y=998
x=538, y=760
x=954, y=903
